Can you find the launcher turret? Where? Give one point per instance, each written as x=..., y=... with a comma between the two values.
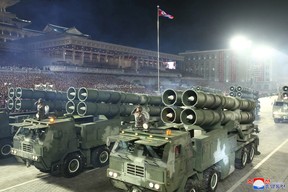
x=207, y=110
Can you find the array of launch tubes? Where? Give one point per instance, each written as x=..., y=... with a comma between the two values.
x=189, y=107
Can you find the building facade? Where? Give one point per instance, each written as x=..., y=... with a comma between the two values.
x=67, y=45
x=229, y=66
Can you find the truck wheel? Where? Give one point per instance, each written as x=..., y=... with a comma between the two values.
x=191, y=186
x=211, y=179
x=44, y=171
x=251, y=153
x=276, y=120
x=241, y=162
x=5, y=148
x=100, y=157
x=73, y=165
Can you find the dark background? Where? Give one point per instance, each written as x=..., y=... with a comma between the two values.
x=197, y=24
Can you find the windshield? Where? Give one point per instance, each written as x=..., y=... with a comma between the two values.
x=32, y=133
x=278, y=104
x=129, y=147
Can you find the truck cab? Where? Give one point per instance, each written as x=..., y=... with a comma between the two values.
x=64, y=145
x=174, y=158
x=151, y=160
x=280, y=110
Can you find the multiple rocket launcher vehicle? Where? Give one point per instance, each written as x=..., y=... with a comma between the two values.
x=69, y=143
x=173, y=157
x=177, y=159
x=280, y=106
x=20, y=105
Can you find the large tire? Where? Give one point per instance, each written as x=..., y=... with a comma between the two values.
x=210, y=181
x=100, y=157
x=5, y=148
x=241, y=162
x=276, y=120
x=251, y=153
x=192, y=186
x=73, y=165
x=44, y=171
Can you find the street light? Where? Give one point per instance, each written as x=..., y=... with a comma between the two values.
x=262, y=52
x=240, y=43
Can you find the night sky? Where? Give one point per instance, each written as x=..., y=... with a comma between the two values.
x=197, y=24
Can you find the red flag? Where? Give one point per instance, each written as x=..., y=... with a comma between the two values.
x=162, y=13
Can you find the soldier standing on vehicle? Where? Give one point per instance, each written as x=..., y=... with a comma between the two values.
x=40, y=109
x=140, y=116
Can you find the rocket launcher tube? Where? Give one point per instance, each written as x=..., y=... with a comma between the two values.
x=171, y=115
x=244, y=89
x=71, y=106
x=10, y=104
x=171, y=97
x=247, y=105
x=112, y=110
x=61, y=95
x=284, y=92
x=85, y=108
x=230, y=103
x=246, y=117
x=155, y=100
x=193, y=98
x=72, y=93
x=246, y=95
x=55, y=95
x=95, y=95
x=11, y=92
x=24, y=93
x=28, y=104
x=25, y=104
x=232, y=88
x=134, y=98
x=199, y=117
x=204, y=117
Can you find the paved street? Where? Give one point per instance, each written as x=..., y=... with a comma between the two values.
x=271, y=164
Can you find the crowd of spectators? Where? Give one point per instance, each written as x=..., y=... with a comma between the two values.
x=62, y=81
x=27, y=77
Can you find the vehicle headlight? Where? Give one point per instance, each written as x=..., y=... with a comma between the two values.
x=13, y=151
x=157, y=186
x=145, y=126
x=113, y=174
x=110, y=173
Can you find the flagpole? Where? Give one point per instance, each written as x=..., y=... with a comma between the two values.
x=158, y=41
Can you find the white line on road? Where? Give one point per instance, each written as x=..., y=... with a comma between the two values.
x=14, y=186
x=256, y=167
x=24, y=183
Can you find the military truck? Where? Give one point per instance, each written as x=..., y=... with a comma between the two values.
x=205, y=137
x=246, y=93
x=20, y=106
x=5, y=134
x=280, y=106
x=66, y=145
x=6, y=131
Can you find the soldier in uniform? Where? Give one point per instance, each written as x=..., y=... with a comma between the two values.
x=40, y=109
x=140, y=116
